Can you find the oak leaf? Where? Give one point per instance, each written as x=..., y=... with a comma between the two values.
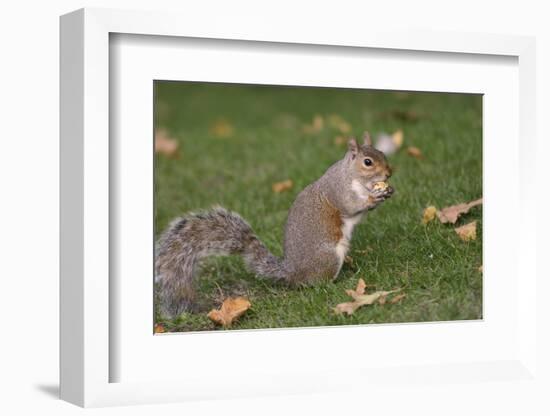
x=279, y=187
x=467, y=232
x=231, y=310
x=451, y=214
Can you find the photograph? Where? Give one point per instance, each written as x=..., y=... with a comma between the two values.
x=295, y=206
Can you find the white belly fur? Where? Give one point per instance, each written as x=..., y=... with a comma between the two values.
x=359, y=189
x=343, y=245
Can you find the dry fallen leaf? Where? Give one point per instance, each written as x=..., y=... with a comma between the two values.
x=231, y=310
x=166, y=145
x=159, y=328
x=348, y=260
x=429, y=214
x=451, y=214
x=279, y=187
x=317, y=124
x=359, y=289
x=415, y=152
x=467, y=232
x=360, y=298
x=398, y=138
x=351, y=307
x=222, y=128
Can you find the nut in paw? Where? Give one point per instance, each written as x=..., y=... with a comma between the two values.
x=382, y=191
x=380, y=186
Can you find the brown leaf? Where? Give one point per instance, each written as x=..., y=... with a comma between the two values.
x=369, y=299
x=279, y=187
x=358, y=291
x=360, y=298
x=166, y=145
x=317, y=124
x=222, y=128
x=231, y=310
x=398, y=138
x=429, y=214
x=397, y=298
x=451, y=214
x=159, y=328
x=467, y=232
x=415, y=152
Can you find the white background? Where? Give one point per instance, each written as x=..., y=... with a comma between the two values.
x=29, y=209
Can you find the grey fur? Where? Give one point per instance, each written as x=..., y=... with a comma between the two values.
x=312, y=231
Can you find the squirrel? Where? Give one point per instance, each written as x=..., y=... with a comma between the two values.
x=317, y=233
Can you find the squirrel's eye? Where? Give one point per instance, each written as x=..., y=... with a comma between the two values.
x=368, y=162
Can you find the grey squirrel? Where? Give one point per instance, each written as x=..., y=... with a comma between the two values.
x=317, y=233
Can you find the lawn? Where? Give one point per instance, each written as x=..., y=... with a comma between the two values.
x=235, y=141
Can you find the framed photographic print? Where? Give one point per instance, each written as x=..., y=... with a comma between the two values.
x=286, y=199
x=255, y=149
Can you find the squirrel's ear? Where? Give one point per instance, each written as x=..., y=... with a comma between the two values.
x=352, y=147
x=366, y=139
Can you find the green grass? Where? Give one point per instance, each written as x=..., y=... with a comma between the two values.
x=390, y=248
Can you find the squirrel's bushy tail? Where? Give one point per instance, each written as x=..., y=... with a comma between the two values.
x=189, y=239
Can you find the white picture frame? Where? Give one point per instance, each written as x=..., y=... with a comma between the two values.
x=87, y=356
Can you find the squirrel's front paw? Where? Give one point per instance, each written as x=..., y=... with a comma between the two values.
x=379, y=195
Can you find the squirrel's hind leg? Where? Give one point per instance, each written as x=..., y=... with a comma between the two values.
x=323, y=265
